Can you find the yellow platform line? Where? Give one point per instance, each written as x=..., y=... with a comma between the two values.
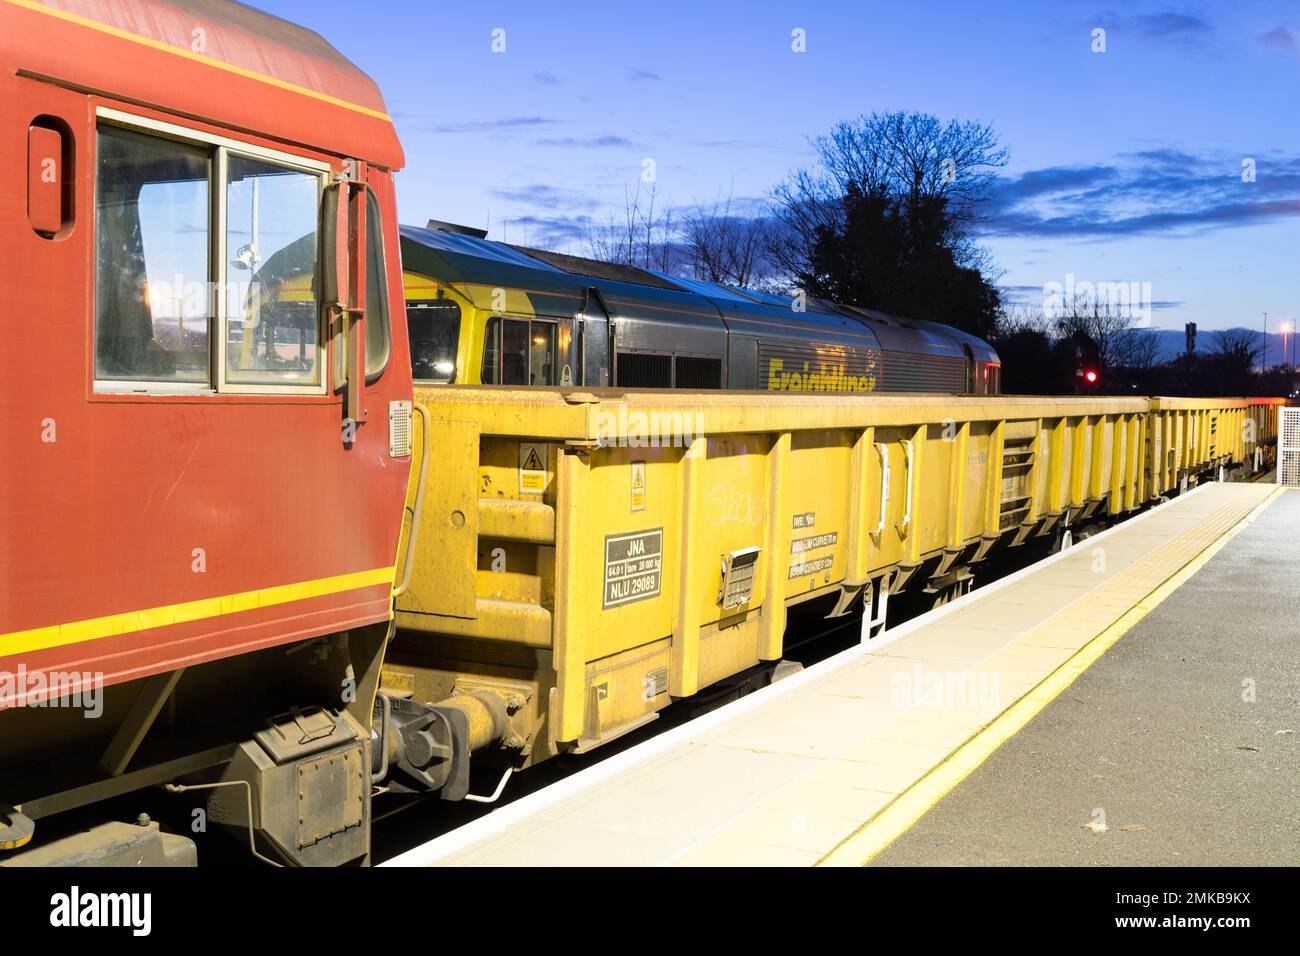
x=129, y=622
x=897, y=817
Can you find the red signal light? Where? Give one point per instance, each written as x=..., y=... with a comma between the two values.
x=1090, y=376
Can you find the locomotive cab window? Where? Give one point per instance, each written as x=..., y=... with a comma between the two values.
x=434, y=329
x=519, y=352
x=206, y=263
x=272, y=315
x=377, y=331
x=152, y=259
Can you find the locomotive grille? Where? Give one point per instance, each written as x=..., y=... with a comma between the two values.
x=1288, y=447
x=644, y=370
x=917, y=372
x=693, y=372
x=399, y=429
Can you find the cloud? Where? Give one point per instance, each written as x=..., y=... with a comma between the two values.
x=547, y=232
x=494, y=125
x=643, y=76
x=1172, y=26
x=1280, y=38
x=542, y=196
x=593, y=141
x=1057, y=179
x=546, y=78
x=1153, y=192
x=1168, y=26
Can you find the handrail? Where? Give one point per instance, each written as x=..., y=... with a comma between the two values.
x=427, y=429
x=907, y=516
x=883, y=451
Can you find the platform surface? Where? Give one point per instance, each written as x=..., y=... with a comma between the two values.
x=1183, y=740
x=879, y=753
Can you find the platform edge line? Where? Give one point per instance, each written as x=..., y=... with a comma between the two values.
x=900, y=815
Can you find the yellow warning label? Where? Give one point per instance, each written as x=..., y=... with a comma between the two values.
x=532, y=468
x=638, y=486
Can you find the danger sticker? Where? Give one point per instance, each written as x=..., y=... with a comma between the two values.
x=633, y=566
x=532, y=468
x=638, y=486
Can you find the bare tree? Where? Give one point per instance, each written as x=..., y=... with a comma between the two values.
x=642, y=236
x=1137, y=349
x=1237, y=348
x=1018, y=317
x=806, y=207
x=1108, y=324
x=915, y=155
x=721, y=246
x=911, y=158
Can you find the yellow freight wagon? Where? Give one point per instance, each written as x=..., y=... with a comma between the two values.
x=587, y=556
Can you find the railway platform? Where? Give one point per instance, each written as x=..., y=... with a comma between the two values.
x=1005, y=727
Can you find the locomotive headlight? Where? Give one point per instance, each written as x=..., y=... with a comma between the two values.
x=443, y=368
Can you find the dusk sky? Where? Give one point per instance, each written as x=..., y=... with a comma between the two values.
x=1125, y=165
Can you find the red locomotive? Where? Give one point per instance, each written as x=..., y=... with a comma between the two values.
x=204, y=468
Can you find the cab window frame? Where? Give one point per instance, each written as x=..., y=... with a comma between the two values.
x=219, y=149
x=494, y=341
x=375, y=247
x=414, y=310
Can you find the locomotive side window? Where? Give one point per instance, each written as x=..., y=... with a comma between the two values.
x=377, y=331
x=514, y=352
x=433, y=329
x=541, y=354
x=272, y=316
x=519, y=352
x=207, y=264
x=491, y=353
x=152, y=259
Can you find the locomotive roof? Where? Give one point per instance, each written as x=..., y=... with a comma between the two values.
x=469, y=260
x=907, y=335
x=220, y=61
x=472, y=259
x=765, y=314
x=596, y=269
